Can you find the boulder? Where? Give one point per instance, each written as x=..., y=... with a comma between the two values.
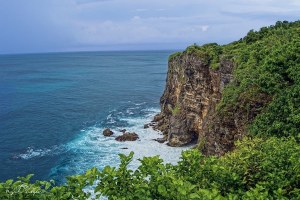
x=122, y=130
x=107, y=132
x=127, y=137
x=160, y=140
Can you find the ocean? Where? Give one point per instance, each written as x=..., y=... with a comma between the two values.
x=54, y=107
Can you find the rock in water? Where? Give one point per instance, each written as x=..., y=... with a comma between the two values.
x=160, y=140
x=107, y=132
x=122, y=130
x=127, y=137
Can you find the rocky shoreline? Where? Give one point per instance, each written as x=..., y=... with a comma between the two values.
x=188, y=107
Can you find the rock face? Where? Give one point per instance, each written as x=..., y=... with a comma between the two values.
x=107, y=132
x=127, y=137
x=188, y=105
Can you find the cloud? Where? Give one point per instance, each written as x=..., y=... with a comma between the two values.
x=141, y=9
x=136, y=18
x=89, y=1
x=56, y=25
x=139, y=30
x=204, y=28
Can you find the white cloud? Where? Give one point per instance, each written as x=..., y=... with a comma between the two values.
x=139, y=30
x=181, y=21
x=89, y=1
x=136, y=18
x=141, y=9
x=112, y=22
x=204, y=28
x=160, y=9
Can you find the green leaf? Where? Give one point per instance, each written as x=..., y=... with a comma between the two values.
x=194, y=196
x=162, y=190
x=9, y=181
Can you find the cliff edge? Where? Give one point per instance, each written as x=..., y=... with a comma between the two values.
x=188, y=104
x=194, y=106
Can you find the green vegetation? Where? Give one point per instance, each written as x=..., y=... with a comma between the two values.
x=265, y=165
x=174, y=110
x=257, y=169
x=266, y=79
x=209, y=53
x=174, y=55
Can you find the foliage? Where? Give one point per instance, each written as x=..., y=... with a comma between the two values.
x=209, y=53
x=174, y=55
x=24, y=189
x=256, y=169
x=267, y=78
x=174, y=110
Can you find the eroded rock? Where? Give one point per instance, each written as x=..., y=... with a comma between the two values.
x=107, y=132
x=127, y=137
x=161, y=140
x=188, y=104
x=146, y=126
x=122, y=130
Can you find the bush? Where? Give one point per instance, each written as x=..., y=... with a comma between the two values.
x=257, y=169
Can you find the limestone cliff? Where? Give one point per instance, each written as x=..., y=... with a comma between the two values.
x=194, y=86
x=261, y=98
x=188, y=105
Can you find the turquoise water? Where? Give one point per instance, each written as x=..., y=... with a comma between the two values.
x=54, y=107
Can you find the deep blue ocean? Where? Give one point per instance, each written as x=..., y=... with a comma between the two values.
x=54, y=107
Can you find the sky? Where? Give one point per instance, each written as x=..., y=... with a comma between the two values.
x=33, y=26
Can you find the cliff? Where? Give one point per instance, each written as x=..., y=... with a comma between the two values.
x=188, y=104
x=195, y=107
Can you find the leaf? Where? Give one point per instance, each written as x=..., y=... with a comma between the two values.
x=194, y=196
x=9, y=181
x=162, y=189
x=47, y=185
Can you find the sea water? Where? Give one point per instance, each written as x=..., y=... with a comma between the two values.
x=54, y=107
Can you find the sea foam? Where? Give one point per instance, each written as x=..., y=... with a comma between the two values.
x=92, y=149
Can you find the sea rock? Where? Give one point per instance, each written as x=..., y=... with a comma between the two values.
x=122, y=130
x=127, y=137
x=107, y=132
x=160, y=140
x=146, y=126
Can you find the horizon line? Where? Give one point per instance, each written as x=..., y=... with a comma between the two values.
x=86, y=51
